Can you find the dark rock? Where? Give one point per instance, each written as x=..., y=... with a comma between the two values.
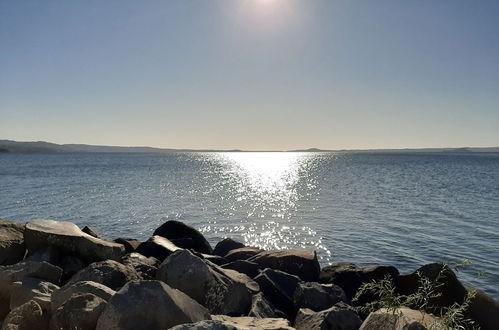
x=318, y=297
x=81, y=311
x=279, y=287
x=245, y=322
x=184, y=243
x=243, y=253
x=149, y=305
x=109, y=273
x=28, y=316
x=48, y=254
x=401, y=319
x=91, y=232
x=484, y=311
x=339, y=317
x=206, y=283
x=176, y=229
x=217, y=260
x=61, y=295
x=70, y=240
x=146, y=267
x=130, y=244
x=12, y=248
x=243, y=266
x=262, y=308
x=157, y=247
x=350, y=277
x=224, y=246
x=30, y=288
x=70, y=266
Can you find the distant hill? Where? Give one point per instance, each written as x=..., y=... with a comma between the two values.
x=47, y=147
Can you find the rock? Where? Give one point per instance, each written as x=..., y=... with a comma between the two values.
x=224, y=246
x=184, y=243
x=401, y=319
x=243, y=253
x=244, y=279
x=262, y=308
x=279, y=287
x=81, y=311
x=157, y=247
x=205, y=325
x=12, y=248
x=70, y=240
x=70, y=266
x=109, y=273
x=214, y=259
x=246, y=322
x=318, y=297
x=302, y=263
x=339, y=317
x=484, y=311
x=205, y=283
x=350, y=276
x=28, y=316
x=130, y=244
x=61, y=295
x=176, y=229
x=243, y=266
x=149, y=305
x=48, y=254
x=146, y=267
x=30, y=288
x=90, y=231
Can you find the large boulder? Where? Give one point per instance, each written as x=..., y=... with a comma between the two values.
x=302, y=263
x=224, y=246
x=91, y=231
x=61, y=295
x=12, y=248
x=318, y=297
x=339, y=317
x=146, y=267
x=130, y=244
x=69, y=239
x=262, y=308
x=30, y=288
x=208, y=284
x=109, y=273
x=28, y=316
x=246, y=322
x=80, y=311
x=401, y=319
x=149, y=305
x=484, y=311
x=157, y=247
x=176, y=230
x=243, y=266
x=70, y=264
x=350, y=276
x=243, y=253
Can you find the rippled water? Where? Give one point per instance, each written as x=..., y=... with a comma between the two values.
x=399, y=209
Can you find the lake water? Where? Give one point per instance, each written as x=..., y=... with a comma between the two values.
x=404, y=210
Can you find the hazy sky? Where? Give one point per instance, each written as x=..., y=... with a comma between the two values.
x=251, y=74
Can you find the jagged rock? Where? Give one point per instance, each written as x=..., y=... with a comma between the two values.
x=205, y=283
x=214, y=259
x=206, y=325
x=176, y=229
x=69, y=239
x=318, y=297
x=224, y=246
x=149, y=305
x=90, y=231
x=400, y=319
x=484, y=311
x=30, y=288
x=246, y=322
x=250, y=284
x=302, y=263
x=70, y=266
x=63, y=294
x=146, y=267
x=243, y=253
x=338, y=317
x=130, y=244
x=109, y=273
x=350, y=276
x=243, y=266
x=157, y=247
x=262, y=308
x=28, y=316
x=81, y=311
x=48, y=254
x=12, y=248
x=279, y=287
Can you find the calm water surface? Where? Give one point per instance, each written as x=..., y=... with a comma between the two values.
x=399, y=209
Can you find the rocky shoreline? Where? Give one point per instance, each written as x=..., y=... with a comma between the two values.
x=54, y=275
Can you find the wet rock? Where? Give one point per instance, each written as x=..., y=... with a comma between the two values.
x=205, y=283
x=400, y=319
x=90, y=231
x=318, y=297
x=130, y=244
x=224, y=246
x=70, y=240
x=243, y=266
x=12, y=248
x=109, y=273
x=28, y=316
x=484, y=311
x=80, y=311
x=61, y=295
x=262, y=308
x=157, y=247
x=30, y=288
x=243, y=253
x=246, y=322
x=149, y=305
x=176, y=230
x=146, y=267
x=339, y=317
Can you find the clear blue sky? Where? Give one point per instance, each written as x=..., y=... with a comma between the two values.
x=251, y=74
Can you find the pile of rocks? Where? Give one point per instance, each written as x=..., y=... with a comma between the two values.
x=53, y=275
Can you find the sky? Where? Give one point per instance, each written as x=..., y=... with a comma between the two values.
x=251, y=74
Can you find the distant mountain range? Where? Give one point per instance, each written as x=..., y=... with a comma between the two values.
x=47, y=147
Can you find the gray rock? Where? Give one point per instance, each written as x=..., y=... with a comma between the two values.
x=81, y=311
x=12, y=248
x=130, y=244
x=69, y=239
x=247, y=322
x=61, y=295
x=224, y=246
x=176, y=229
x=30, y=288
x=90, y=231
x=149, y=305
x=401, y=319
x=243, y=253
x=70, y=265
x=109, y=273
x=262, y=308
x=205, y=325
x=48, y=254
x=243, y=266
x=146, y=267
x=339, y=317
x=28, y=316
x=157, y=247
x=484, y=311
x=206, y=283
x=318, y=297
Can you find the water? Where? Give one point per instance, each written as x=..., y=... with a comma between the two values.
x=398, y=209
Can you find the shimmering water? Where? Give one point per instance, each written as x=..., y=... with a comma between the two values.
x=399, y=209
